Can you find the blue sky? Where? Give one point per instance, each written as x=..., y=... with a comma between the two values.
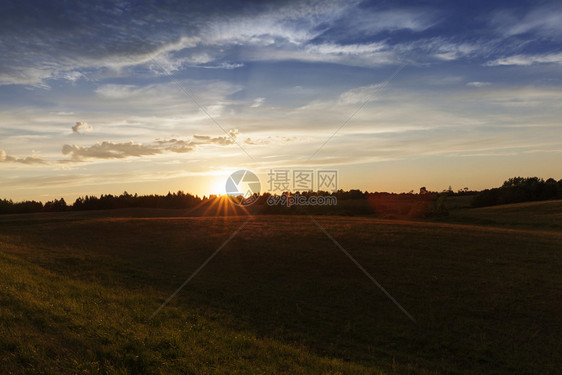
x=101, y=97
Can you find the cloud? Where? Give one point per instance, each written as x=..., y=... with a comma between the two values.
x=114, y=91
x=450, y=50
x=544, y=20
x=478, y=84
x=370, y=22
x=81, y=127
x=25, y=75
x=72, y=76
x=177, y=145
x=257, y=102
x=257, y=142
x=436, y=49
x=121, y=150
x=356, y=54
x=551, y=58
x=222, y=65
x=109, y=150
x=161, y=39
x=293, y=23
x=269, y=140
x=29, y=160
x=168, y=96
x=223, y=141
x=92, y=39
x=349, y=49
x=309, y=32
x=360, y=94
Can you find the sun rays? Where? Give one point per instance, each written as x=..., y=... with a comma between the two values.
x=220, y=205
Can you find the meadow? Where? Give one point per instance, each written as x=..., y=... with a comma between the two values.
x=484, y=286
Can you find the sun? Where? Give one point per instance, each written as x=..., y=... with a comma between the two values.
x=218, y=187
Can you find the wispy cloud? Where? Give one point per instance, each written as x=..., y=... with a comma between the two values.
x=304, y=31
x=375, y=21
x=258, y=102
x=550, y=58
x=348, y=33
x=360, y=94
x=448, y=49
x=478, y=84
x=544, y=20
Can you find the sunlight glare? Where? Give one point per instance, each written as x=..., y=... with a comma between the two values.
x=218, y=187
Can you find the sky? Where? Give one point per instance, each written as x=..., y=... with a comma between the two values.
x=157, y=96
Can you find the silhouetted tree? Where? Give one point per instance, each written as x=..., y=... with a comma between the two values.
x=55, y=205
x=519, y=189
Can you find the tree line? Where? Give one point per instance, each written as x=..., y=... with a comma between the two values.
x=104, y=202
x=181, y=200
x=424, y=203
x=520, y=189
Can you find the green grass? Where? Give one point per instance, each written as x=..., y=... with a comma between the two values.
x=76, y=291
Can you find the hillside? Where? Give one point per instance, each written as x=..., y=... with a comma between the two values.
x=546, y=215
x=77, y=290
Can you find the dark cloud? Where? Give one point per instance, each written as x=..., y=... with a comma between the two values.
x=81, y=127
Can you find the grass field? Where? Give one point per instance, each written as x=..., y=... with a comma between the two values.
x=539, y=215
x=77, y=290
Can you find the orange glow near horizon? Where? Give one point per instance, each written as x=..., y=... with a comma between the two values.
x=217, y=187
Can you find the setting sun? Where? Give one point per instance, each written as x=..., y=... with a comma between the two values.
x=217, y=187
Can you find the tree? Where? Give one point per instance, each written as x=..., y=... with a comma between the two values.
x=56, y=205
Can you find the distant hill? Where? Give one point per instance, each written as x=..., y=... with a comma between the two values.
x=543, y=214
